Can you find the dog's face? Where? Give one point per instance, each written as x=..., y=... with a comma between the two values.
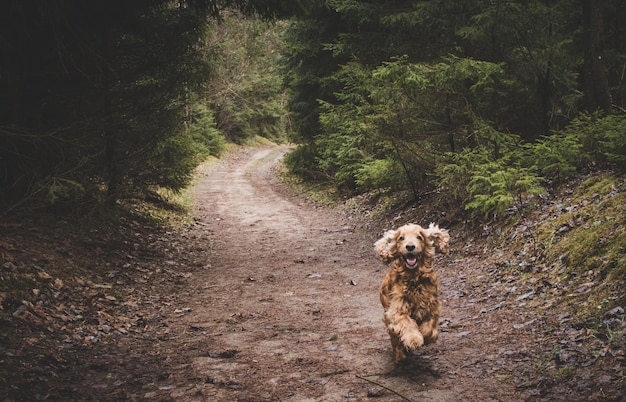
x=410, y=242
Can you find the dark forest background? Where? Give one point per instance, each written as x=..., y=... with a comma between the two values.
x=492, y=100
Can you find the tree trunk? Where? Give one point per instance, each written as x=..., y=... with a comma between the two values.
x=595, y=82
x=111, y=147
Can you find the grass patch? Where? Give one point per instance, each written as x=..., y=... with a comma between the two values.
x=173, y=208
x=256, y=141
x=597, y=239
x=321, y=193
x=586, y=244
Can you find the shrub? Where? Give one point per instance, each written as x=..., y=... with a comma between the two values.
x=380, y=173
x=484, y=183
x=556, y=157
x=603, y=139
x=174, y=162
x=612, y=139
x=495, y=187
x=61, y=190
x=209, y=140
x=302, y=162
x=455, y=173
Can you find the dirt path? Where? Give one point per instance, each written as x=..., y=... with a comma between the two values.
x=287, y=307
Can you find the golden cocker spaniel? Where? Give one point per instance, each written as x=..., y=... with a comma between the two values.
x=409, y=292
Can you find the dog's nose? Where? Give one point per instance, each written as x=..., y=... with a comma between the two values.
x=410, y=247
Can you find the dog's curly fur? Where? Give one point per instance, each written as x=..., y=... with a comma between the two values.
x=409, y=292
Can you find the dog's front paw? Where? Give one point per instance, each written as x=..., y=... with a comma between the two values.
x=412, y=340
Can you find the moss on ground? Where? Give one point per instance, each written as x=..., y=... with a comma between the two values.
x=586, y=245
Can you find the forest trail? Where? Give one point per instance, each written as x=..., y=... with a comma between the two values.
x=266, y=296
x=287, y=307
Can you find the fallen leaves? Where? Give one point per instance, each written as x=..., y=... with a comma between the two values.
x=85, y=291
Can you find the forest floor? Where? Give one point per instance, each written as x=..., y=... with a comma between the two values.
x=268, y=296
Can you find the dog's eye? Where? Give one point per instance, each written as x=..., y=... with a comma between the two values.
x=401, y=238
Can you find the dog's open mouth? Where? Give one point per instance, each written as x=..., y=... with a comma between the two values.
x=411, y=260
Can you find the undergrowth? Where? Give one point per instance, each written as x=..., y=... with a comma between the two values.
x=592, y=243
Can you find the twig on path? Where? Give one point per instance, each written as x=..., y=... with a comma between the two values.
x=330, y=375
x=382, y=386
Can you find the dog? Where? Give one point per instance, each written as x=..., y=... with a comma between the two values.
x=409, y=291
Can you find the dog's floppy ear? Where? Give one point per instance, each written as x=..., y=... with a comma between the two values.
x=383, y=245
x=439, y=237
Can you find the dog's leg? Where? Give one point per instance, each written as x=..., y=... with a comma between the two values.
x=430, y=330
x=399, y=351
x=402, y=325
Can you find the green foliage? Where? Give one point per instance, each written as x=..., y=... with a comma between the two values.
x=114, y=84
x=131, y=97
x=208, y=140
x=380, y=173
x=393, y=112
x=174, y=160
x=111, y=85
x=613, y=140
x=306, y=63
x=302, y=162
x=372, y=81
x=61, y=190
x=534, y=42
x=603, y=138
x=491, y=182
x=490, y=192
x=246, y=91
x=339, y=151
x=440, y=96
x=589, y=140
x=495, y=187
x=455, y=172
x=488, y=184
x=556, y=157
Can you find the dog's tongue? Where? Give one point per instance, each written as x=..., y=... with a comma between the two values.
x=411, y=260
